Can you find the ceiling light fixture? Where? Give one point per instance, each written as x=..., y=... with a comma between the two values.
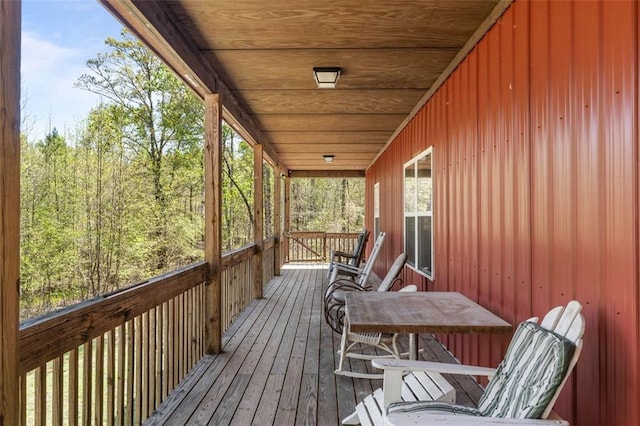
x=328, y=158
x=326, y=77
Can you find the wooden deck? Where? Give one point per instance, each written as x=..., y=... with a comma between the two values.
x=277, y=365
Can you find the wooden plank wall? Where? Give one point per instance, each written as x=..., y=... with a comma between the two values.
x=10, y=19
x=535, y=141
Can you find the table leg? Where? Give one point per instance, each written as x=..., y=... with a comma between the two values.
x=413, y=346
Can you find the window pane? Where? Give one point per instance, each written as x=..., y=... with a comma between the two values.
x=410, y=240
x=424, y=184
x=424, y=244
x=376, y=227
x=376, y=200
x=410, y=189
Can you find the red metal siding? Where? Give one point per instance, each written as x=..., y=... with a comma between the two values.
x=536, y=188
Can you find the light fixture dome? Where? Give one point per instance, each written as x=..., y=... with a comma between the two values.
x=326, y=77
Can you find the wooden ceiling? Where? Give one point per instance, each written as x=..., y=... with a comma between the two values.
x=263, y=52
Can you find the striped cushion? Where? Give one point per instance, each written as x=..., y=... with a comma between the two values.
x=526, y=380
x=434, y=407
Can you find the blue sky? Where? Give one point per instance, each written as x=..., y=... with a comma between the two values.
x=58, y=37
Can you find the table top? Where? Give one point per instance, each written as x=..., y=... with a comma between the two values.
x=419, y=312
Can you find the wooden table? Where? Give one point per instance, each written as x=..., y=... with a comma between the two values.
x=421, y=312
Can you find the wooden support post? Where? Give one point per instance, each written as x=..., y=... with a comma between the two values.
x=287, y=216
x=10, y=15
x=213, y=220
x=258, y=232
x=277, y=228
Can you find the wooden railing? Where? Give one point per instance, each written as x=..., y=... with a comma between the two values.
x=114, y=359
x=268, y=260
x=237, y=283
x=317, y=246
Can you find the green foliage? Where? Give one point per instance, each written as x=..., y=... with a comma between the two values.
x=122, y=198
x=323, y=204
x=163, y=127
x=237, y=191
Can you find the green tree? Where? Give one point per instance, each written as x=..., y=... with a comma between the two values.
x=160, y=117
x=48, y=215
x=327, y=204
x=237, y=190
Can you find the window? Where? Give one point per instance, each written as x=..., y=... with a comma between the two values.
x=376, y=210
x=418, y=213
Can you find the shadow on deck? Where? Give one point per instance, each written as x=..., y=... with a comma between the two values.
x=277, y=365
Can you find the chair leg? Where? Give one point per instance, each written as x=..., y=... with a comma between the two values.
x=394, y=344
x=343, y=351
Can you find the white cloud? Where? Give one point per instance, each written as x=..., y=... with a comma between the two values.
x=49, y=72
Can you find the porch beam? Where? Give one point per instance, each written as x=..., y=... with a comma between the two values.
x=287, y=217
x=154, y=24
x=277, y=228
x=326, y=173
x=10, y=24
x=213, y=220
x=258, y=207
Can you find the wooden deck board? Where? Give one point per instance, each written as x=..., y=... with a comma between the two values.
x=277, y=365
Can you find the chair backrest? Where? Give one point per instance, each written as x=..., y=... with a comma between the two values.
x=538, y=362
x=393, y=273
x=368, y=266
x=358, y=253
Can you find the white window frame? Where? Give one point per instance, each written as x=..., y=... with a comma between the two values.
x=414, y=263
x=376, y=210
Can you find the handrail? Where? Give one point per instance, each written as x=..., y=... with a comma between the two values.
x=238, y=256
x=47, y=337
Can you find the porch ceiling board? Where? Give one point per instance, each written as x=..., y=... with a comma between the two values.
x=391, y=55
x=345, y=146
x=322, y=138
x=317, y=102
x=283, y=69
x=313, y=24
x=335, y=122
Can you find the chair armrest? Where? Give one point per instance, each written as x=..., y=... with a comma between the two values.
x=394, y=369
x=451, y=420
x=436, y=367
x=339, y=253
x=348, y=268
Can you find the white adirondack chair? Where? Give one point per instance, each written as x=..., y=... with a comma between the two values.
x=542, y=356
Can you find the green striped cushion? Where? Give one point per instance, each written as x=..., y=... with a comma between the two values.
x=526, y=380
x=431, y=407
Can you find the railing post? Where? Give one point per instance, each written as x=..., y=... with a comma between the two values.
x=277, y=229
x=287, y=217
x=325, y=255
x=9, y=206
x=213, y=222
x=258, y=232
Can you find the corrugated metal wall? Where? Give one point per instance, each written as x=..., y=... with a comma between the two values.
x=536, y=188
